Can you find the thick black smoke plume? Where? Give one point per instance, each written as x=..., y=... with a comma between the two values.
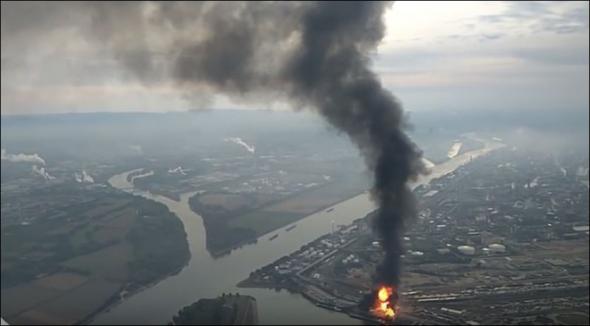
x=331, y=70
x=313, y=54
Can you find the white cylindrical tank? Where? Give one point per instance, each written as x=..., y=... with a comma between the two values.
x=466, y=250
x=496, y=247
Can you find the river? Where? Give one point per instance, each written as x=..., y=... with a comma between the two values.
x=205, y=276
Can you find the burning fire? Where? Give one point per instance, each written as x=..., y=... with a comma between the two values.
x=385, y=303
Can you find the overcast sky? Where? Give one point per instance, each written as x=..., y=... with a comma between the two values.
x=529, y=56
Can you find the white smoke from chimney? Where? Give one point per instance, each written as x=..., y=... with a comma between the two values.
x=454, y=150
x=87, y=177
x=84, y=177
x=33, y=158
x=42, y=172
x=177, y=170
x=239, y=141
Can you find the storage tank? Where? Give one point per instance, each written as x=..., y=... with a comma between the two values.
x=497, y=248
x=466, y=250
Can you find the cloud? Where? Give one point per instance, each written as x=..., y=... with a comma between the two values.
x=430, y=49
x=576, y=55
x=491, y=36
x=510, y=55
x=547, y=16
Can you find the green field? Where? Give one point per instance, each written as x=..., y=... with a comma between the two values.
x=73, y=260
x=280, y=213
x=72, y=306
x=109, y=263
x=263, y=222
x=228, y=225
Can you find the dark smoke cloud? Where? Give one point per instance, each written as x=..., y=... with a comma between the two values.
x=330, y=69
x=316, y=55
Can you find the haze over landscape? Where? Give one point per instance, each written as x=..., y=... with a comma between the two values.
x=295, y=162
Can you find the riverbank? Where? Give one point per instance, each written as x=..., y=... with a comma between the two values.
x=206, y=276
x=124, y=293
x=287, y=227
x=124, y=182
x=287, y=272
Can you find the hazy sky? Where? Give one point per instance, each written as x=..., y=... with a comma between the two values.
x=436, y=56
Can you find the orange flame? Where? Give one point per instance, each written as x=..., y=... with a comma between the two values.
x=383, y=306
